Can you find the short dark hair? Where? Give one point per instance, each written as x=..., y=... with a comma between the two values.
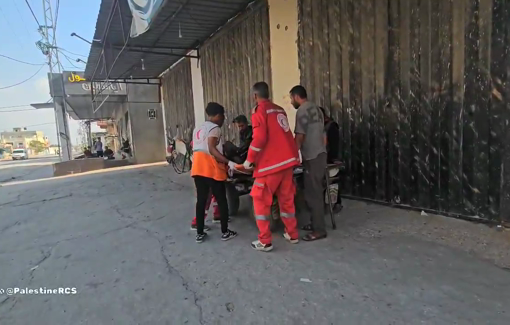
x=299, y=91
x=240, y=119
x=214, y=109
x=261, y=89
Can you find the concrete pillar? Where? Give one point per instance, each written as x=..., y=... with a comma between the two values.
x=198, y=90
x=63, y=129
x=283, y=29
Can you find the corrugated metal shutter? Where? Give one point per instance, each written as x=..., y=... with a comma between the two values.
x=233, y=60
x=177, y=92
x=416, y=86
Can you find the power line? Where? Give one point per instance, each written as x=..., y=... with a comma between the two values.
x=13, y=31
x=28, y=126
x=22, y=82
x=19, y=110
x=30, y=7
x=21, y=16
x=13, y=59
x=61, y=49
x=15, y=106
x=69, y=60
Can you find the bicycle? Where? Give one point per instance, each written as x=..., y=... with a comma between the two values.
x=180, y=155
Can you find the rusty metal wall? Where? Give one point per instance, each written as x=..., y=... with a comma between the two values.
x=233, y=60
x=177, y=90
x=418, y=88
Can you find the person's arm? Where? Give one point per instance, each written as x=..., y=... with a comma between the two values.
x=246, y=143
x=300, y=129
x=300, y=138
x=212, y=141
x=258, y=121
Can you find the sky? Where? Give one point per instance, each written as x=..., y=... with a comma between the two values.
x=17, y=40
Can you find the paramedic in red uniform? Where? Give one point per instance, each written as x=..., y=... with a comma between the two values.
x=273, y=154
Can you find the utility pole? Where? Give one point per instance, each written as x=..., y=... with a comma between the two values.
x=48, y=46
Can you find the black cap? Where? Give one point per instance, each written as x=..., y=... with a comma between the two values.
x=240, y=119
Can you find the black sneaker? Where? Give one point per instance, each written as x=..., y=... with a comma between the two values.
x=201, y=237
x=194, y=228
x=228, y=235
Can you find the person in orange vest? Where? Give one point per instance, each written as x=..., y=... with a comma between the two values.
x=273, y=155
x=209, y=169
x=216, y=211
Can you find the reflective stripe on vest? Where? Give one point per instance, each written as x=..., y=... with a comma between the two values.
x=283, y=163
x=275, y=110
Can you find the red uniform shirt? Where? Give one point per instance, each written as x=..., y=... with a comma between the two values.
x=273, y=148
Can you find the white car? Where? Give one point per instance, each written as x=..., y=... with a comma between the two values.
x=21, y=154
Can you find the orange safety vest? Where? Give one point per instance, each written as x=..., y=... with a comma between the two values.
x=204, y=164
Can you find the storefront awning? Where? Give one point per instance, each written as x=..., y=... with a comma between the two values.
x=179, y=27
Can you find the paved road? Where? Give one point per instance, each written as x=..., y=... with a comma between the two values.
x=123, y=240
x=22, y=170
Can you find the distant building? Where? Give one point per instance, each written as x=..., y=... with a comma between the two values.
x=21, y=138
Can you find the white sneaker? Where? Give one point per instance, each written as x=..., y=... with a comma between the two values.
x=290, y=240
x=257, y=245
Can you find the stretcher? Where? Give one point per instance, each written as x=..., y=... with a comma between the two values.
x=239, y=184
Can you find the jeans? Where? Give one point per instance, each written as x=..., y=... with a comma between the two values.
x=204, y=186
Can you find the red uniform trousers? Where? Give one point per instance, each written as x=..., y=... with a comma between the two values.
x=216, y=209
x=281, y=185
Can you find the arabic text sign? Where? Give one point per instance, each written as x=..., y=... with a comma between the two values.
x=144, y=12
x=76, y=84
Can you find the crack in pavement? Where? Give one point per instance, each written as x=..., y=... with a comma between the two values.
x=45, y=257
x=173, y=271
x=16, y=200
x=44, y=200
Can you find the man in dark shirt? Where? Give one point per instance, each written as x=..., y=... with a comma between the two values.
x=238, y=153
x=332, y=131
x=333, y=136
x=108, y=153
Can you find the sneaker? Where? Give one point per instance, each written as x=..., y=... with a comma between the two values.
x=194, y=228
x=257, y=245
x=228, y=235
x=290, y=240
x=219, y=220
x=201, y=237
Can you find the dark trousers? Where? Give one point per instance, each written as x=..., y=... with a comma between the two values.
x=203, y=186
x=100, y=153
x=314, y=174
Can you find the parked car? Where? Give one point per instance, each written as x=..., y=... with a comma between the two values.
x=20, y=154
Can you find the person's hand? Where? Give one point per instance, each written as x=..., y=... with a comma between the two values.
x=248, y=165
x=231, y=165
x=300, y=157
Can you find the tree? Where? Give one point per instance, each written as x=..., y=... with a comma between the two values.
x=37, y=146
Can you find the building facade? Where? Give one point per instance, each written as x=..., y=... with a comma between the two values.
x=419, y=88
x=21, y=138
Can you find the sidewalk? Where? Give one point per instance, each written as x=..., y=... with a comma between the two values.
x=122, y=239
